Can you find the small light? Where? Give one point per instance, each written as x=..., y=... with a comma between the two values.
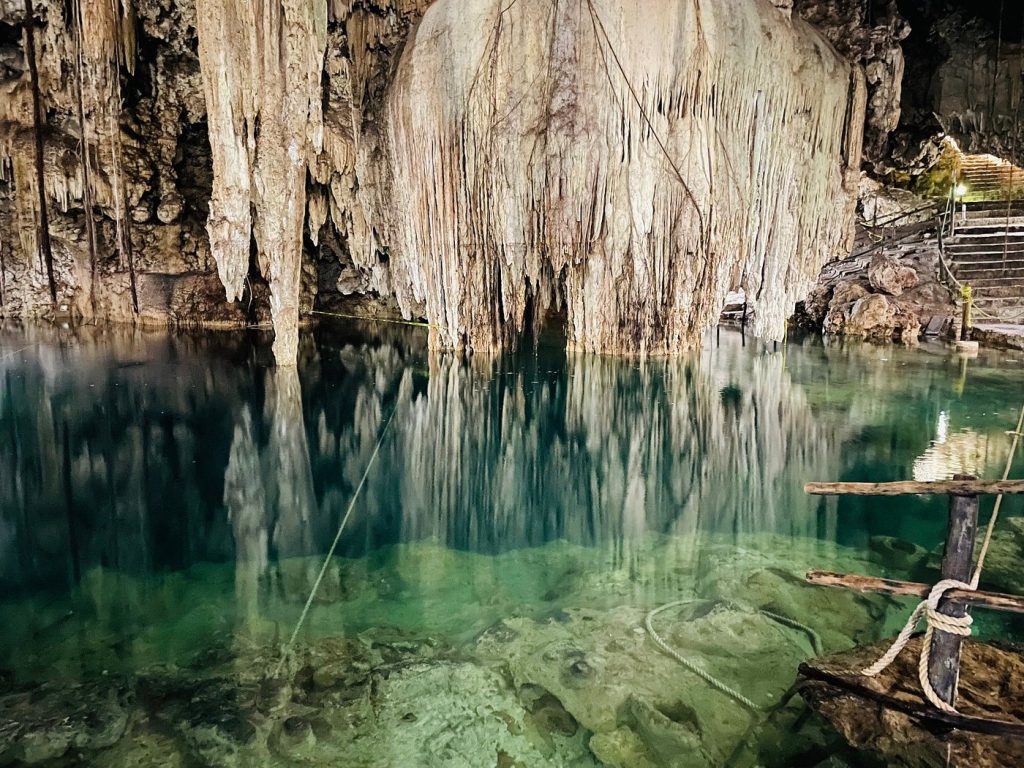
x=960, y=190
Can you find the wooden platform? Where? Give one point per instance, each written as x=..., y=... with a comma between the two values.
x=888, y=714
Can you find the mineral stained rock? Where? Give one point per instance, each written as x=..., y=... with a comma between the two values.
x=475, y=163
x=990, y=688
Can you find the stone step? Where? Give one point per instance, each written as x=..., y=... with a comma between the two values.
x=984, y=266
x=987, y=284
x=988, y=222
x=993, y=272
x=997, y=214
x=1008, y=245
x=993, y=205
x=986, y=233
x=997, y=295
x=984, y=253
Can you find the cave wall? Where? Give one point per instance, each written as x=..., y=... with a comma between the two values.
x=469, y=163
x=869, y=34
x=964, y=79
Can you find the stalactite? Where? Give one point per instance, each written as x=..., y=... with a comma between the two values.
x=87, y=196
x=261, y=72
x=121, y=220
x=3, y=275
x=632, y=163
x=478, y=162
x=38, y=119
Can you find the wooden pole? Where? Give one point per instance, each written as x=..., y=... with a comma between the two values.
x=944, y=661
x=901, y=487
x=998, y=601
x=965, y=321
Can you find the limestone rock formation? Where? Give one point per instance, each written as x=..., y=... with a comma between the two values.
x=855, y=312
x=475, y=163
x=875, y=45
x=261, y=69
x=654, y=180
x=888, y=276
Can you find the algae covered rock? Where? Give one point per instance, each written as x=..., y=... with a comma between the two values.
x=643, y=706
x=45, y=723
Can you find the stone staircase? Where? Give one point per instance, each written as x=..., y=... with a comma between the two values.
x=989, y=178
x=986, y=252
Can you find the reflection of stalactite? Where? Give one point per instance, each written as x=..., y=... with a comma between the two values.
x=246, y=503
x=513, y=455
x=484, y=456
x=290, y=492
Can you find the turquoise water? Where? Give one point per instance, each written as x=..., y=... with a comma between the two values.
x=166, y=502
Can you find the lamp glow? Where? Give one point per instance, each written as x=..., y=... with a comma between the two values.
x=960, y=190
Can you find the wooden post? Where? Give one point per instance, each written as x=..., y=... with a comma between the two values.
x=944, y=663
x=965, y=323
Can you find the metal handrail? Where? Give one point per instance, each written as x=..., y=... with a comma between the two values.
x=880, y=244
x=900, y=216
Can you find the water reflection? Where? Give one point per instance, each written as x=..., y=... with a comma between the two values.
x=143, y=452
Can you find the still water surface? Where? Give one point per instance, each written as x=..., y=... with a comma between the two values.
x=168, y=497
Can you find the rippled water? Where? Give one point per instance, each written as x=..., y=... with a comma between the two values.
x=166, y=502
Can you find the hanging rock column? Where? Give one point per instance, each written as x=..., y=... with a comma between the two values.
x=632, y=160
x=261, y=63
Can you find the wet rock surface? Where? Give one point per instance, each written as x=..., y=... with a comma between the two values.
x=42, y=724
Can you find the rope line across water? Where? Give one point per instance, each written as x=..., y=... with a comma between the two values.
x=334, y=544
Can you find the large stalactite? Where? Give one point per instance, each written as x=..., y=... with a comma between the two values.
x=478, y=164
x=261, y=66
x=630, y=160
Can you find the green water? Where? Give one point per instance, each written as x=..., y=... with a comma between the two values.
x=166, y=503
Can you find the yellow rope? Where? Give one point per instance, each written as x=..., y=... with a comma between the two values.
x=929, y=607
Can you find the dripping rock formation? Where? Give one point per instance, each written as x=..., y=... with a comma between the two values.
x=480, y=165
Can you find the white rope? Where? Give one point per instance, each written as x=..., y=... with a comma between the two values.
x=707, y=677
x=334, y=544
x=929, y=607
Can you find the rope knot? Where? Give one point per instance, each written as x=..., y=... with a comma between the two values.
x=954, y=625
x=927, y=609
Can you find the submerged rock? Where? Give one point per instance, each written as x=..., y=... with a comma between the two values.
x=991, y=686
x=45, y=723
x=898, y=554
x=644, y=707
